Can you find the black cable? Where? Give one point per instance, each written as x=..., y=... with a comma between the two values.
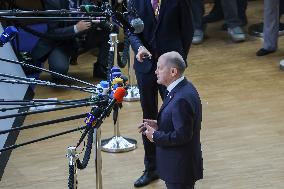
x=110, y=64
x=53, y=19
x=84, y=163
x=41, y=139
x=37, y=101
x=48, y=110
x=49, y=84
x=44, y=123
x=48, y=71
x=92, y=121
x=37, y=105
x=71, y=177
x=49, y=13
x=44, y=83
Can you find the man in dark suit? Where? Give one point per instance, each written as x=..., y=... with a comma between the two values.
x=167, y=27
x=59, y=51
x=176, y=132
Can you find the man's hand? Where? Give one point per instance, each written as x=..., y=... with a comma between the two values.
x=83, y=25
x=149, y=132
x=143, y=53
x=152, y=123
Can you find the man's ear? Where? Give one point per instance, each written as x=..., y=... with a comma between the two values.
x=174, y=72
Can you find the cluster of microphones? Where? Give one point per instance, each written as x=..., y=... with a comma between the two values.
x=114, y=89
x=104, y=95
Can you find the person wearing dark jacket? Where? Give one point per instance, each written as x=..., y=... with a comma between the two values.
x=176, y=132
x=59, y=51
x=167, y=27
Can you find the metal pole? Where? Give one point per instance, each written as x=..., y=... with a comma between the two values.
x=116, y=126
x=73, y=156
x=113, y=43
x=133, y=91
x=98, y=158
x=117, y=143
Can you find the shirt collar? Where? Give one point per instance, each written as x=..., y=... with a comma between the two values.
x=173, y=84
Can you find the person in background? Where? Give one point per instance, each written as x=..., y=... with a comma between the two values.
x=223, y=8
x=58, y=52
x=216, y=13
x=270, y=27
x=167, y=27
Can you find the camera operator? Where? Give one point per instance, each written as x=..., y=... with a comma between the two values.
x=59, y=52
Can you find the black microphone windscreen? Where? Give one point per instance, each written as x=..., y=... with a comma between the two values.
x=120, y=18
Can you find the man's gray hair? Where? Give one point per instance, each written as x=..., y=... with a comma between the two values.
x=175, y=60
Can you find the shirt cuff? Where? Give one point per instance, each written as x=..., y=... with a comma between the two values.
x=140, y=47
x=75, y=29
x=153, y=136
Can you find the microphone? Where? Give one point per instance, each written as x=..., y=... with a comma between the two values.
x=135, y=26
x=120, y=18
x=118, y=95
x=107, y=26
x=117, y=98
x=138, y=25
x=125, y=79
x=9, y=34
x=90, y=121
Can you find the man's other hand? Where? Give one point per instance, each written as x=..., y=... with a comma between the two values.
x=83, y=25
x=143, y=53
x=152, y=123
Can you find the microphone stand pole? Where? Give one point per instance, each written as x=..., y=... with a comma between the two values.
x=98, y=157
x=117, y=143
x=17, y=13
x=53, y=19
x=41, y=102
x=72, y=155
x=133, y=91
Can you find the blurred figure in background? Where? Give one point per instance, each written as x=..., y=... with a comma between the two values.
x=197, y=7
x=217, y=14
x=270, y=27
x=58, y=51
x=227, y=9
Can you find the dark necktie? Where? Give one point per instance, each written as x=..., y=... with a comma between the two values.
x=166, y=94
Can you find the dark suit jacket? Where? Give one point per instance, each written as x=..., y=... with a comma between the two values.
x=178, y=148
x=44, y=45
x=172, y=31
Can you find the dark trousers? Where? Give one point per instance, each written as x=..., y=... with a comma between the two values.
x=197, y=9
x=230, y=10
x=57, y=54
x=234, y=11
x=98, y=39
x=148, y=88
x=59, y=57
x=281, y=7
x=178, y=186
x=242, y=7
